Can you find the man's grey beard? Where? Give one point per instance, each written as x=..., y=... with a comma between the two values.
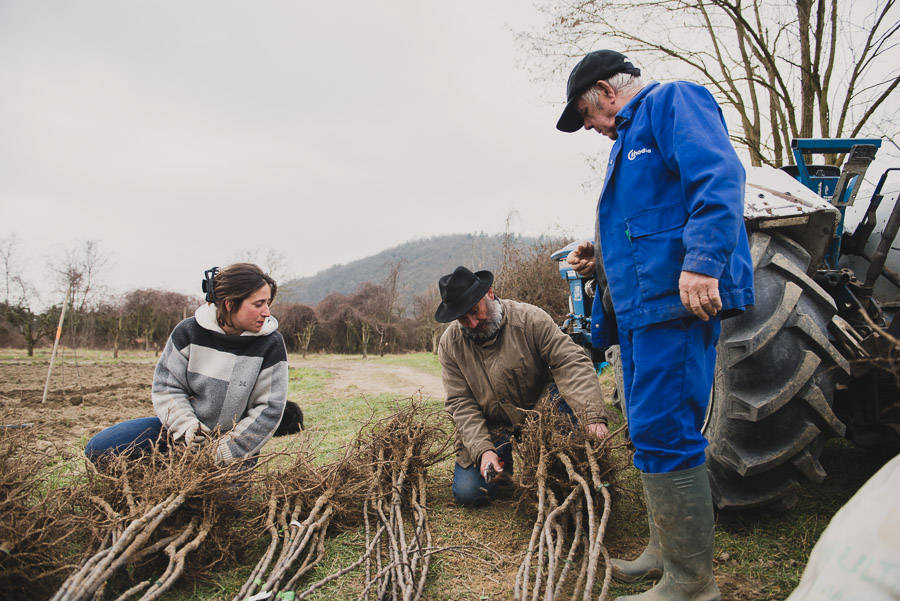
x=492, y=324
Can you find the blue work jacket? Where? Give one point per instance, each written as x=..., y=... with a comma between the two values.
x=672, y=201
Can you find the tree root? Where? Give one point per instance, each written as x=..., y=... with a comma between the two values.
x=37, y=524
x=399, y=450
x=163, y=503
x=569, y=491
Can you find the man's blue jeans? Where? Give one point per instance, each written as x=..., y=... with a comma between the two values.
x=469, y=486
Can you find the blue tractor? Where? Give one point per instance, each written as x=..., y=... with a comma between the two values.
x=818, y=355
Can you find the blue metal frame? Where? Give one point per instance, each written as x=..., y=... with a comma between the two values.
x=825, y=186
x=800, y=146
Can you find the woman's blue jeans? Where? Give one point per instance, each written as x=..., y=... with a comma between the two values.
x=134, y=435
x=139, y=434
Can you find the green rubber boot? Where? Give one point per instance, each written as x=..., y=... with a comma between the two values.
x=649, y=566
x=681, y=506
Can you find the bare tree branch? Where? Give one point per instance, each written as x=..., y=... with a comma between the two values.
x=802, y=69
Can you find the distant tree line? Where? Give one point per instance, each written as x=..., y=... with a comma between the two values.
x=377, y=318
x=141, y=319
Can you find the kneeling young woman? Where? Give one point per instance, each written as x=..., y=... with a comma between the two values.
x=223, y=371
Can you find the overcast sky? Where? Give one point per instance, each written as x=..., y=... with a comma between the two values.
x=181, y=135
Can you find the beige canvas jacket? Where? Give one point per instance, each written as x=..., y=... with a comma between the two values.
x=488, y=384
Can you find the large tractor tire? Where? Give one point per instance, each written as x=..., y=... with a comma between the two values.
x=770, y=411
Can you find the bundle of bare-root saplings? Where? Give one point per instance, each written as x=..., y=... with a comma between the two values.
x=380, y=482
x=130, y=526
x=153, y=512
x=398, y=451
x=37, y=526
x=303, y=501
x=565, y=474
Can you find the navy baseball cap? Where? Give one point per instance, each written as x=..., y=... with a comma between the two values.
x=596, y=65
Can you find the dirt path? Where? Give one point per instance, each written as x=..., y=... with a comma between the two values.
x=355, y=376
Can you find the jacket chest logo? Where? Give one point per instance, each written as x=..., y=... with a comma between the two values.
x=633, y=154
x=242, y=383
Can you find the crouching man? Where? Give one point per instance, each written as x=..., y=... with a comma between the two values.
x=498, y=358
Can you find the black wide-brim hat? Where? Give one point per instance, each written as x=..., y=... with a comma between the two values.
x=596, y=65
x=460, y=291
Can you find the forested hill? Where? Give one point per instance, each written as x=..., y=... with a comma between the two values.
x=421, y=263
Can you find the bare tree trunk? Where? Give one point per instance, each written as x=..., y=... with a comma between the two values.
x=365, y=334
x=773, y=64
x=807, y=84
x=306, y=336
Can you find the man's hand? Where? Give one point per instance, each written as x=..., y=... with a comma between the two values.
x=598, y=430
x=700, y=294
x=582, y=259
x=490, y=458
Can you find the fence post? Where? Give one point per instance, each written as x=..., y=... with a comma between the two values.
x=62, y=316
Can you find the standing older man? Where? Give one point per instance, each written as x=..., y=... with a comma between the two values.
x=674, y=257
x=498, y=358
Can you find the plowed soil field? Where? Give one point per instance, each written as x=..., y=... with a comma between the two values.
x=82, y=398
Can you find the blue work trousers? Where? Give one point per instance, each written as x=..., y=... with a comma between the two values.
x=668, y=370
